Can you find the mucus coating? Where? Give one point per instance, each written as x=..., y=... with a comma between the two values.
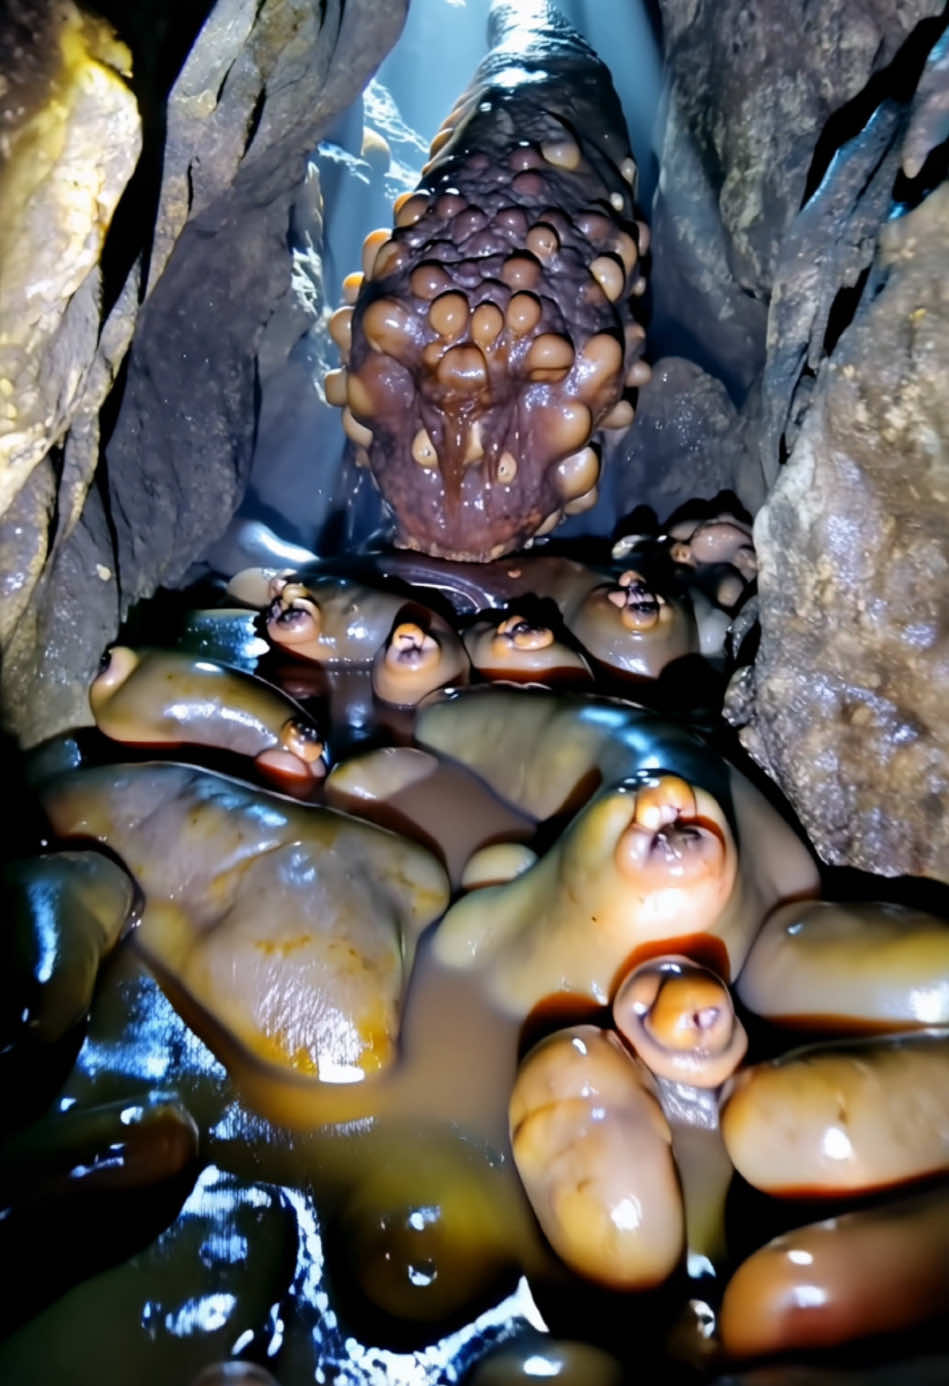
x=488, y=342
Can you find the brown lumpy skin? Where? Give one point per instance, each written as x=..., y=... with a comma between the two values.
x=488, y=339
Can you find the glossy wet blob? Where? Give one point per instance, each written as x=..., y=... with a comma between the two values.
x=490, y=337
x=679, y=1018
x=293, y=927
x=150, y=697
x=593, y=1150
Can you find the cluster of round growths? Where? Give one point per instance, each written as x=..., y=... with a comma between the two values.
x=490, y=337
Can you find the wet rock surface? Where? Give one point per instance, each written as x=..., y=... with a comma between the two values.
x=848, y=711
x=266, y=90
x=687, y=443
x=216, y=121
x=813, y=296
x=71, y=143
x=72, y=137
x=752, y=89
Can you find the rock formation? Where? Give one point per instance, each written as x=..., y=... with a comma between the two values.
x=848, y=707
x=194, y=259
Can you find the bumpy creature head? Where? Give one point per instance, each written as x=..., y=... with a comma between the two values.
x=490, y=336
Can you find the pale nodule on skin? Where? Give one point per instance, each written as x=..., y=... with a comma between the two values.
x=493, y=865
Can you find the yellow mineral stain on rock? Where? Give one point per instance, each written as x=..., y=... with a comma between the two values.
x=68, y=163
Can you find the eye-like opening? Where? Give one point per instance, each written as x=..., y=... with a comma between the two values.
x=680, y=1020
x=115, y=667
x=293, y=620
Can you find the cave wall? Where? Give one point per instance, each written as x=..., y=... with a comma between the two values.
x=187, y=137
x=801, y=255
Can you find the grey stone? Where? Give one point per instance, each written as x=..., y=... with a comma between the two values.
x=180, y=455
x=683, y=445
x=848, y=705
x=752, y=84
x=842, y=218
x=73, y=136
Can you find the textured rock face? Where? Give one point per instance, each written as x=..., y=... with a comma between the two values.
x=813, y=293
x=752, y=85
x=259, y=87
x=686, y=444
x=67, y=163
x=846, y=707
x=73, y=139
x=202, y=235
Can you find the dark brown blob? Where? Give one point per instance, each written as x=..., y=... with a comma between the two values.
x=84, y=1188
x=880, y=1270
x=502, y=303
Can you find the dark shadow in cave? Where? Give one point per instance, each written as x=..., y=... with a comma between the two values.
x=160, y=38
x=896, y=82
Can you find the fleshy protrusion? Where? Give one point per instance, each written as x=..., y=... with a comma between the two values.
x=388, y=328
x=562, y=153
x=370, y=249
x=423, y=449
x=487, y=320
x=503, y=330
x=680, y=1020
x=496, y=864
x=593, y=1151
x=448, y=315
x=507, y=468
x=334, y=384
x=578, y=473
x=520, y=272
x=549, y=358
x=620, y=416
x=341, y=330
x=351, y=286
x=582, y=503
x=609, y=275
x=543, y=242
x=355, y=431
x=414, y=662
